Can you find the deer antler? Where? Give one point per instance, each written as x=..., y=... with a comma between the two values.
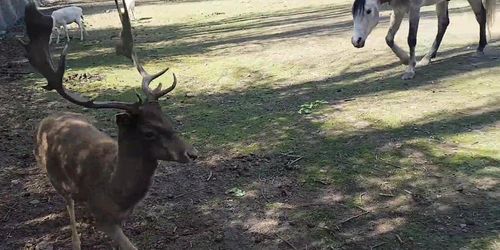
x=126, y=48
x=39, y=28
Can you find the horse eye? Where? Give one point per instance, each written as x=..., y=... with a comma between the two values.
x=369, y=11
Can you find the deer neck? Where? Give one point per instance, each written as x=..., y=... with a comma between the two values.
x=133, y=173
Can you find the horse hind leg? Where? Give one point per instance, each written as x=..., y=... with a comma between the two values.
x=480, y=12
x=443, y=22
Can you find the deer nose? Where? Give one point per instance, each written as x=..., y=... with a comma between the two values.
x=192, y=154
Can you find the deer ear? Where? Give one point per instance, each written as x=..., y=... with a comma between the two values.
x=124, y=119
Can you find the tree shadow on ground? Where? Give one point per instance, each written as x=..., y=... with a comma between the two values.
x=302, y=187
x=218, y=36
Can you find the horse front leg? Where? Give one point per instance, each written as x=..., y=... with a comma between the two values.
x=414, y=16
x=396, y=19
x=443, y=21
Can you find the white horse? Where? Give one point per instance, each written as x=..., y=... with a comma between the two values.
x=366, y=16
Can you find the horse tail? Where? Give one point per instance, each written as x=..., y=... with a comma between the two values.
x=490, y=6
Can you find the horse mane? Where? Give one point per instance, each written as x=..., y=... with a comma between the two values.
x=358, y=7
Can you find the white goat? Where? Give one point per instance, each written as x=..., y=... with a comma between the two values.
x=131, y=7
x=65, y=16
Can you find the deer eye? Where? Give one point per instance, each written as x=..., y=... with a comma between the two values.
x=368, y=12
x=149, y=135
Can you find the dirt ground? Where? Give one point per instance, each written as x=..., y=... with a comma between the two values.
x=370, y=181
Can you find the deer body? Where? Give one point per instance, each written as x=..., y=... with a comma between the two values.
x=85, y=164
x=63, y=17
x=77, y=156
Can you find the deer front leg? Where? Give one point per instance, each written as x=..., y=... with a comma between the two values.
x=58, y=35
x=75, y=239
x=396, y=19
x=51, y=37
x=67, y=33
x=414, y=16
x=115, y=232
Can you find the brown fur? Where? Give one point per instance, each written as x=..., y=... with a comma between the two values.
x=86, y=165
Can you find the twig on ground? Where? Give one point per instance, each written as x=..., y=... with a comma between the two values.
x=399, y=239
x=378, y=245
x=210, y=175
x=361, y=208
x=7, y=213
x=290, y=155
x=386, y=195
x=294, y=161
x=361, y=196
x=189, y=192
x=286, y=241
x=353, y=217
x=311, y=204
x=332, y=231
x=264, y=195
x=407, y=191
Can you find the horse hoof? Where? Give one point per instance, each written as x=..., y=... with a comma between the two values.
x=408, y=75
x=424, y=62
x=479, y=53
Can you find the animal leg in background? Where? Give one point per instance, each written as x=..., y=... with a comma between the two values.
x=443, y=21
x=414, y=16
x=58, y=34
x=80, y=27
x=480, y=12
x=395, y=23
x=65, y=26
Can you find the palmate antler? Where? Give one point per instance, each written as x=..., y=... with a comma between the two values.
x=39, y=28
x=126, y=48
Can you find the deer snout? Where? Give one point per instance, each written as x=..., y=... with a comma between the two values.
x=192, y=154
x=186, y=156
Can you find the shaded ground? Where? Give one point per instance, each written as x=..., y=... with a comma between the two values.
x=369, y=162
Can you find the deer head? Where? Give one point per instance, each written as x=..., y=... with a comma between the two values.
x=143, y=122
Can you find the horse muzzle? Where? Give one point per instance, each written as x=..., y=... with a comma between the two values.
x=358, y=42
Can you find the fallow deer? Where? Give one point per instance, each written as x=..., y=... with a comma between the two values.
x=85, y=164
x=65, y=16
